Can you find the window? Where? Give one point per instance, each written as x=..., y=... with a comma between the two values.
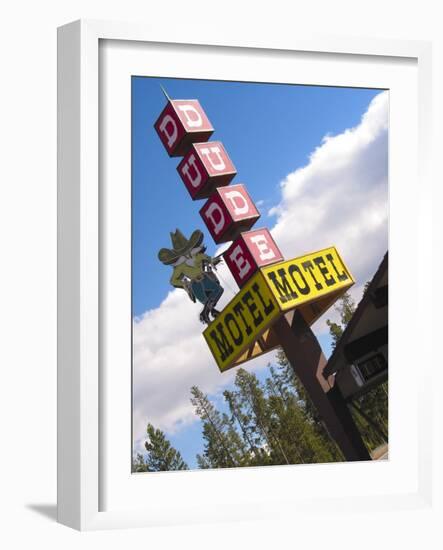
x=372, y=366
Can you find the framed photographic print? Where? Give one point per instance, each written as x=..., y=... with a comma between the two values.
x=227, y=312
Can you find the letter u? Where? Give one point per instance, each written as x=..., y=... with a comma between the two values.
x=209, y=152
x=194, y=179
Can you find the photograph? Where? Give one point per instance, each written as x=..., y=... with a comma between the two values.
x=259, y=274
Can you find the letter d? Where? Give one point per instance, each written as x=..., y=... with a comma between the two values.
x=216, y=216
x=168, y=127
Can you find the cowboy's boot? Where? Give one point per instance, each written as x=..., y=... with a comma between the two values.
x=204, y=315
x=215, y=313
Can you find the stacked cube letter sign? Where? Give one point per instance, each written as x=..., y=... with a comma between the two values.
x=181, y=124
x=249, y=251
x=205, y=167
x=228, y=211
x=269, y=285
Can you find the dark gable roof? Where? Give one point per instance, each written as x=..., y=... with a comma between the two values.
x=337, y=354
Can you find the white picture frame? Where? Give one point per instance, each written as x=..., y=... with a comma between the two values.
x=82, y=395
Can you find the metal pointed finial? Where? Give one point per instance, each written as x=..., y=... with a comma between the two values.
x=165, y=92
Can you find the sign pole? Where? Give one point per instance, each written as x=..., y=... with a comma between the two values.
x=304, y=353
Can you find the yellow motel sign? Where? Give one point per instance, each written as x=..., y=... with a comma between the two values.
x=242, y=321
x=307, y=278
x=309, y=283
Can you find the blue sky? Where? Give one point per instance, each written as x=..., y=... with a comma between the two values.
x=270, y=132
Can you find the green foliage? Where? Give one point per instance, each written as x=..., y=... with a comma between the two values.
x=335, y=331
x=256, y=410
x=161, y=455
x=139, y=464
x=223, y=447
x=345, y=307
x=268, y=424
x=373, y=405
x=324, y=445
x=242, y=420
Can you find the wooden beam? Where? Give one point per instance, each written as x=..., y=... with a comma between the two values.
x=308, y=361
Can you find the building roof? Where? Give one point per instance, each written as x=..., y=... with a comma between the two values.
x=370, y=317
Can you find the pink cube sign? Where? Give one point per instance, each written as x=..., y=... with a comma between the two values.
x=251, y=250
x=206, y=166
x=228, y=211
x=181, y=123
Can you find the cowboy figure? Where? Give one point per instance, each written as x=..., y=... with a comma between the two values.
x=193, y=271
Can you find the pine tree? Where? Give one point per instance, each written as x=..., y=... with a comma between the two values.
x=202, y=462
x=223, y=446
x=277, y=384
x=235, y=441
x=161, y=455
x=346, y=308
x=300, y=440
x=284, y=423
x=139, y=464
x=326, y=446
x=237, y=415
x=265, y=434
x=370, y=412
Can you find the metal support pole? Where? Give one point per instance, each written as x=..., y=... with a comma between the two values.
x=304, y=353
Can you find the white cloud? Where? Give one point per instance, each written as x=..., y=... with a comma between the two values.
x=339, y=198
x=171, y=355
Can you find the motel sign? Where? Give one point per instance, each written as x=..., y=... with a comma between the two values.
x=299, y=283
x=278, y=299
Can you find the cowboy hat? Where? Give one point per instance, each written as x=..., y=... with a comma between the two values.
x=180, y=246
